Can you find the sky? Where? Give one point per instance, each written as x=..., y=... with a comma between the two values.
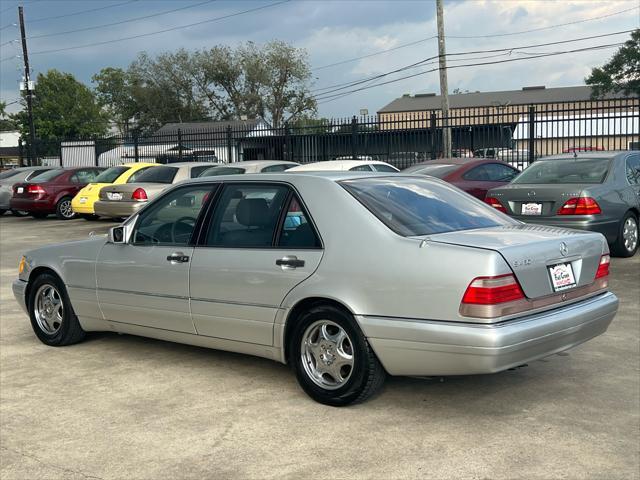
x=331, y=31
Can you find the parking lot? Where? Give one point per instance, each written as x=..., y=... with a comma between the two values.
x=122, y=406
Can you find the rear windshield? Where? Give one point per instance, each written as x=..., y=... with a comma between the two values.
x=48, y=175
x=381, y=167
x=215, y=171
x=8, y=174
x=575, y=170
x=415, y=206
x=158, y=175
x=439, y=170
x=110, y=175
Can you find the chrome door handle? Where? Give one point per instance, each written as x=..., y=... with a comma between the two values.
x=178, y=257
x=290, y=261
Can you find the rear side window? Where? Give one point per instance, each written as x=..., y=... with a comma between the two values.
x=297, y=231
x=574, y=170
x=414, y=206
x=158, y=175
x=215, y=171
x=633, y=169
x=110, y=175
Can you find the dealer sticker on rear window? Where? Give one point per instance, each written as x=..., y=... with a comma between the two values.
x=562, y=277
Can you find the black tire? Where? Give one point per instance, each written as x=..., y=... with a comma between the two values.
x=63, y=209
x=621, y=246
x=89, y=217
x=365, y=378
x=68, y=329
x=19, y=213
x=38, y=214
x=2, y=212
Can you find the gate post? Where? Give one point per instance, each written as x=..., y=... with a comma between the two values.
x=532, y=133
x=354, y=136
x=180, y=144
x=288, y=154
x=432, y=129
x=229, y=147
x=136, y=153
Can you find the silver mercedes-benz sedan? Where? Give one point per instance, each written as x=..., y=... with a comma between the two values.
x=346, y=276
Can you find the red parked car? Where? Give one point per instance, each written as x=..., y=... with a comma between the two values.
x=474, y=176
x=52, y=191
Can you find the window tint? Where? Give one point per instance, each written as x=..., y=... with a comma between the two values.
x=197, y=171
x=136, y=175
x=438, y=170
x=110, y=175
x=380, y=167
x=277, y=168
x=574, y=170
x=215, y=171
x=361, y=168
x=171, y=220
x=477, y=174
x=158, y=175
x=49, y=175
x=297, y=231
x=498, y=172
x=84, y=176
x=9, y=174
x=246, y=215
x=633, y=169
x=414, y=206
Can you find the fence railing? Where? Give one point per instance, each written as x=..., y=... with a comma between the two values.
x=516, y=134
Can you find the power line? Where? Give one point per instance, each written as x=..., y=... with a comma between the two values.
x=328, y=98
x=135, y=19
x=342, y=62
x=81, y=12
x=202, y=22
x=495, y=50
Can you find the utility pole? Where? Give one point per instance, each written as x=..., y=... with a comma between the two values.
x=444, y=88
x=28, y=85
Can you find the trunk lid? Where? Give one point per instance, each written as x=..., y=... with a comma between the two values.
x=530, y=251
x=550, y=197
x=123, y=192
x=21, y=190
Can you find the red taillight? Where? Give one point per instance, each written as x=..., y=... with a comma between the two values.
x=493, y=290
x=35, y=189
x=139, y=194
x=495, y=203
x=580, y=206
x=603, y=268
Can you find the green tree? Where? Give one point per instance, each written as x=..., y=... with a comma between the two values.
x=115, y=94
x=621, y=73
x=6, y=122
x=63, y=108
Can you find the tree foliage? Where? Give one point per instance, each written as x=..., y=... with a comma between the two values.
x=63, y=108
x=6, y=122
x=621, y=73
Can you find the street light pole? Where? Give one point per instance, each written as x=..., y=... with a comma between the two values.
x=27, y=83
x=444, y=88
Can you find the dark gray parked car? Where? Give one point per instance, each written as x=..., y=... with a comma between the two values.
x=597, y=191
x=9, y=178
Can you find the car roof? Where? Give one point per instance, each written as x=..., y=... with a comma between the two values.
x=335, y=165
x=459, y=161
x=321, y=175
x=187, y=164
x=252, y=163
x=592, y=154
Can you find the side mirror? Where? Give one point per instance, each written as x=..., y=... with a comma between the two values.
x=116, y=235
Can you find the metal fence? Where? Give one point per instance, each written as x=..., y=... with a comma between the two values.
x=516, y=134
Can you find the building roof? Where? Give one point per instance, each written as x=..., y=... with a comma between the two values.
x=192, y=127
x=526, y=96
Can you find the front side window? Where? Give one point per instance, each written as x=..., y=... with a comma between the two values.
x=172, y=219
x=574, y=170
x=633, y=169
x=110, y=175
x=158, y=175
x=246, y=215
x=297, y=231
x=413, y=206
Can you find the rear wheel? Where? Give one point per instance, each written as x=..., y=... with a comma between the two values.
x=52, y=317
x=63, y=209
x=19, y=213
x=332, y=359
x=627, y=243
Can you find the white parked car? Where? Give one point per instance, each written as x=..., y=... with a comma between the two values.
x=346, y=165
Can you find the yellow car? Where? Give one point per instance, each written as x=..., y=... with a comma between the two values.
x=82, y=203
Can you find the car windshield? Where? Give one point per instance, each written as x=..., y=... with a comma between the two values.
x=48, y=175
x=574, y=170
x=8, y=174
x=158, y=175
x=439, y=170
x=414, y=206
x=214, y=171
x=110, y=175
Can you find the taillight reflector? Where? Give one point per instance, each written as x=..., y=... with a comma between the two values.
x=139, y=194
x=495, y=203
x=603, y=267
x=580, y=206
x=493, y=290
x=37, y=189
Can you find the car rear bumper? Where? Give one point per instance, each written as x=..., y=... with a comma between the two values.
x=82, y=208
x=609, y=228
x=32, y=205
x=416, y=347
x=19, y=291
x=116, y=209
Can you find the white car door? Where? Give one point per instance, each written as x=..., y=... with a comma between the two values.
x=258, y=244
x=146, y=282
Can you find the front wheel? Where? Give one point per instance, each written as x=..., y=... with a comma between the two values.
x=52, y=317
x=63, y=209
x=627, y=242
x=332, y=359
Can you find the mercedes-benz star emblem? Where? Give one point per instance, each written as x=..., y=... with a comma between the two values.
x=564, y=250
x=531, y=193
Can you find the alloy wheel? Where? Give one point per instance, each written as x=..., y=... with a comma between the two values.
x=65, y=209
x=48, y=309
x=327, y=354
x=630, y=234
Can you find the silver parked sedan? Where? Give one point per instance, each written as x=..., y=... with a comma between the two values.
x=346, y=276
x=598, y=191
